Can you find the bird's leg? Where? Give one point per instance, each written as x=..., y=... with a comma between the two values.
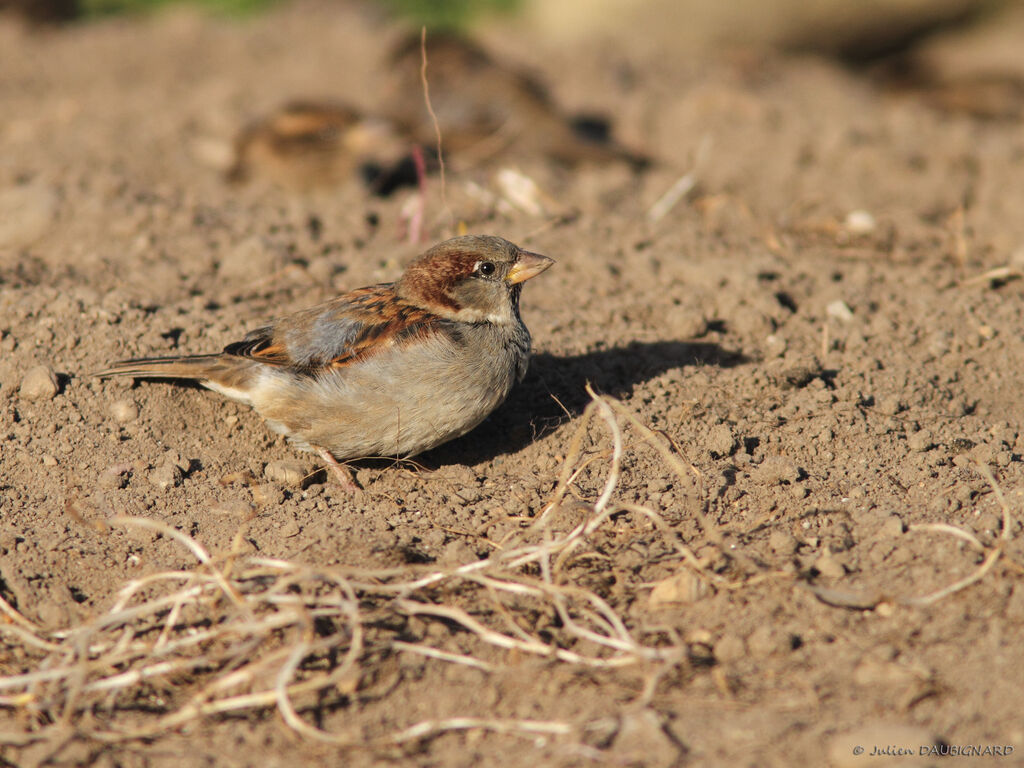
x=341, y=473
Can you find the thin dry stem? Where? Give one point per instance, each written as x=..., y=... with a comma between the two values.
x=171, y=635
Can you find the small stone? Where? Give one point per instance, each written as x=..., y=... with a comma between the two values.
x=166, y=476
x=290, y=529
x=175, y=459
x=775, y=346
x=243, y=510
x=853, y=749
x=124, y=411
x=794, y=373
x=890, y=405
x=775, y=470
x=921, y=441
x=828, y=566
x=721, y=441
x=267, y=494
x=860, y=222
x=114, y=477
x=689, y=324
x=885, y=610
x=730, y=648
x=286, y=472
x=39, y=383
x=840, y=311
x=48, y=460
x=782, y=542
x=683, y=587
x=9, y=379
x=764, y=641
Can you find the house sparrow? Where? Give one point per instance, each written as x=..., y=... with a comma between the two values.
x=307, y=144
x=387, y=370
x=484, y=107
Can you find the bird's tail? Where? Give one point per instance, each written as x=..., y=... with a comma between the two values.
x=200, y=367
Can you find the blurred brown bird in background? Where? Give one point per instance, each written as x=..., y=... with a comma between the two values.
x=485, y=108
x=309, y=144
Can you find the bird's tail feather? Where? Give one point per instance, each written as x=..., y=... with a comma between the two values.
x=202, y=367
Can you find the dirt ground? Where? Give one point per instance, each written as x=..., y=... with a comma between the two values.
x=823, y=334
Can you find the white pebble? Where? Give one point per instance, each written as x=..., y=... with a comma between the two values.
x=860, y=222
x=124, y=411
x=285, y=472
x=840, y=310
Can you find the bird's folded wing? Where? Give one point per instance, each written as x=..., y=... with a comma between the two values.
x=339, y=332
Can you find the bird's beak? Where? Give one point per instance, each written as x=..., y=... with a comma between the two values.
x=528, y=265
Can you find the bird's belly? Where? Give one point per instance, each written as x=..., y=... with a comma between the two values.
x=380, y=409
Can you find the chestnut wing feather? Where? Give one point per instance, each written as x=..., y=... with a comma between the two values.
x=338, y=332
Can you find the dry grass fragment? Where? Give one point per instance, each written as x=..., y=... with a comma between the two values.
x=239, y=633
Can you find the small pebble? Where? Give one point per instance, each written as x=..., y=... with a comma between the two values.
x=267, y=494
x=840, y=311
x=775, y=346
x=885, y=610
x=920, y=441
x=764, y=641
x=124, y=411
x=782, y=542
x=285, y=472
x=39, y=383
x=114, y=477
x=860, y=222
x=290, y=528
x=175, y=459
x=730, y=648
x=721, y=441
x=775, y=470
x=48, y=460
x=243, y=510
x=684, y=587
x=890, y=405
x=828, y=566
x=166, y=476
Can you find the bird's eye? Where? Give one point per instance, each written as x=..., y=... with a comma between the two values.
x=486, y=268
